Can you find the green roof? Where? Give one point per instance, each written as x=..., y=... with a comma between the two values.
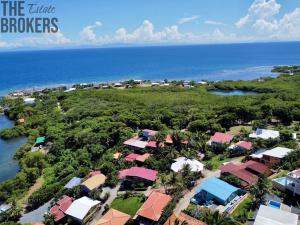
x=40, y=140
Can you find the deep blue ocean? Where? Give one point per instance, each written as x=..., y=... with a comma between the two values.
x=28, y=69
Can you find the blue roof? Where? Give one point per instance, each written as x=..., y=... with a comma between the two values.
x=218, y=188
x=75, y=181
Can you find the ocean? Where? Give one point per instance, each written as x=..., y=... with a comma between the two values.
x=27, y=69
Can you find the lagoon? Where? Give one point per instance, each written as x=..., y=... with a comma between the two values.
x=232, y=93
x=8, y=166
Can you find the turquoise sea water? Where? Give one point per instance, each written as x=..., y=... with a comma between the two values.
x=211, y=62
x=8, y=166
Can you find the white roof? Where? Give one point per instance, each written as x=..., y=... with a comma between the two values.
x=271, y=216
x=278, y=152
x=265, y=134
x=70, y=89
x=258, y=154
x=81, y=207
x=179, y=163
x=29, y=100
x=136, y=143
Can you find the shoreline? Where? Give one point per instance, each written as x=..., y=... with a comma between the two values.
x=39, y=88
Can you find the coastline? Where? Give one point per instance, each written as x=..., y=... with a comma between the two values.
x=37, y=88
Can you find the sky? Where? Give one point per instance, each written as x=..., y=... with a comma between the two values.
x=88, y=23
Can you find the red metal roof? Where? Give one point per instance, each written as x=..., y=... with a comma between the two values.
x=221, y=138
x=154, y=206
x=245, y=144
x=137, y=157
x=152, y=144
x=93, y=173
x=58, y=210
x=140, y=172
x=131, y=157
x=241, y=171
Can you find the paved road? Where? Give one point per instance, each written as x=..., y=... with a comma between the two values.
x=36, y=216
x=185, y=200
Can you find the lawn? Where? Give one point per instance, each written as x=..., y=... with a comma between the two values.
x=215, y=162
x=244, y=209
x=128, y=205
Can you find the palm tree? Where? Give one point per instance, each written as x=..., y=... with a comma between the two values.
x=259, y=190
x=217, y=218
x=159, y=138
x=177, y=137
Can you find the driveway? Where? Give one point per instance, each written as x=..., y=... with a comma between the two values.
x=113, y=194
x=185, y=200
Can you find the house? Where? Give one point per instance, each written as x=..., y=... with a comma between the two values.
x=118, y=84
x=153, y=207
x=21, y=121
x=40, y=141
x=60, y=207
x=138, y=174
x=246, y=172
x=265, y=134
x=219, y=139
x=172, y=220
x=82, y=209
x=93, y=182
x=271, y=157
x=4, y=207
x=289, y=183
x=153, y=144
x=135, y=143
x=29, y=101
x=114, y=217
x=216, y=191
x=147, y=133
x=93, y=173
x=271, y=216
x=179, y=163
x=75, y=181
x=241, y=147
x=117, y=155
x=137, y=157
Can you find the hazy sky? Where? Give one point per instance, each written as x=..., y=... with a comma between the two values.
x=144, y=22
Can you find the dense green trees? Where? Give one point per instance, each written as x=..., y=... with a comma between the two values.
x=91, y=125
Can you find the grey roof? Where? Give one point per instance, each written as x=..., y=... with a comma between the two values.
x=75, y=181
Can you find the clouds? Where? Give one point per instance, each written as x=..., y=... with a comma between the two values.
x=259, y=10
x=263, y=17
x=88, y=34
x=147, y=34
x=215, y=23
x=262, y=21
x=187, y=19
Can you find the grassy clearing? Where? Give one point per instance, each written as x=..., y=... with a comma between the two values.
x=215, y=162
x=236, y=130
x=128, y=205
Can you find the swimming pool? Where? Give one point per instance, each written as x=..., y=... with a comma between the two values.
x=281, y=180
x=274, y=204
